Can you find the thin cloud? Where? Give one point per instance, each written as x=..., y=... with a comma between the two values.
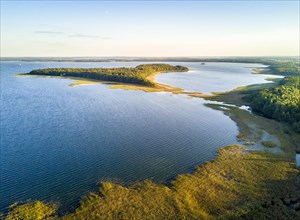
x=49, y=32
x=89, y=36
x=55, y=44
x=71, y=35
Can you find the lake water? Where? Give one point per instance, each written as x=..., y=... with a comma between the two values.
x=297, y=160
x=214, y=77
x=58, y=141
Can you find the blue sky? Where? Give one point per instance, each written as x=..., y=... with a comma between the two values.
x=149, y=28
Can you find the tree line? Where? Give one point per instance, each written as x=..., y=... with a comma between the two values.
x=285, y=68
x=281, y=103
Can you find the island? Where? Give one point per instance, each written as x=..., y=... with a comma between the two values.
x=139, y=75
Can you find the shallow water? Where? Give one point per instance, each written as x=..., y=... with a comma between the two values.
x=297, y=160
x=58, y=141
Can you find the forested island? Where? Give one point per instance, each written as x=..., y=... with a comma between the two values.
x=137, y=75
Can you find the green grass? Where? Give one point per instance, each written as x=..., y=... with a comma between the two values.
x=32, y=211
x=269, y=144
x=242, y=137
x=238, y=96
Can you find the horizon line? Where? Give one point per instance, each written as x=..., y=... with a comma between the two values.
x=208, y=56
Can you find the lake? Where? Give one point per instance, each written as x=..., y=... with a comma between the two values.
x=58, y=141
x=214, y=77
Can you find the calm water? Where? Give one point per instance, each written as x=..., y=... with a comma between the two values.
x=297, y=160
x=58, y=141
x=214, y=77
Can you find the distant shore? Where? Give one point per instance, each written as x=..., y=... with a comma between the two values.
x=263, y=60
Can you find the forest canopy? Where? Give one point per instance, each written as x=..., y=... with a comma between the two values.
x=281, y=102
x=133, y=75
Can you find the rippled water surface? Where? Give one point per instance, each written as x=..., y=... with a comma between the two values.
x=58, y=141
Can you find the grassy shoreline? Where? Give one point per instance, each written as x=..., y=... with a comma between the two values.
x=237, y=184
x=217, y=189
x=253, y=125
x=78, y=81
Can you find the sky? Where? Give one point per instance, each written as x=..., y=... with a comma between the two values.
x=149, y=28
